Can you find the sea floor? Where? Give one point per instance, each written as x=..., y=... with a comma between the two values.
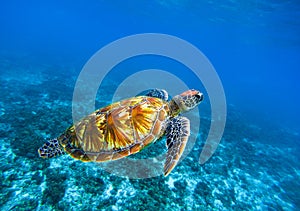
x=256, y=166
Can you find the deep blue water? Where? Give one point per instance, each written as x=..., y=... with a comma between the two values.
x=254, y=47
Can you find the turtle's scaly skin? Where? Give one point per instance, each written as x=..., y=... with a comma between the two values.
x=118, y=130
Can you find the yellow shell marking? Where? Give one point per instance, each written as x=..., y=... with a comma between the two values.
x=124, y=127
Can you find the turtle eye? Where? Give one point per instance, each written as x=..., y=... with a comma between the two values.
x=199, y=97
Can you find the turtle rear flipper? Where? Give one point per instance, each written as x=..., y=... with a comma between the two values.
x=50, y=149
x=177, y=132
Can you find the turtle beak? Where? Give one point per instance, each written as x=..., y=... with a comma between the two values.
x=199, y=97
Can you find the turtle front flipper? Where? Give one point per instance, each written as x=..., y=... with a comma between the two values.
x=177, y=132
x=51, y=149
x=157, y=93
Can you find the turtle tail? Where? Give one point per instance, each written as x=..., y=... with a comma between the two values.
x=51, y=149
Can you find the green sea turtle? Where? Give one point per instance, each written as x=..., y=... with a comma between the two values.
x=124, y=128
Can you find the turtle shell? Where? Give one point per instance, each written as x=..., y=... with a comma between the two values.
x=118, y=130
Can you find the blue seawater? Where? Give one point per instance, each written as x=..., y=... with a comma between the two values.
x=254, y=47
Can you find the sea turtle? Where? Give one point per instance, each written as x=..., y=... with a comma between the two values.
x=124, y=128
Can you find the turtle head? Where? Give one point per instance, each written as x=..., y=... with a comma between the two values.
x=186, y=101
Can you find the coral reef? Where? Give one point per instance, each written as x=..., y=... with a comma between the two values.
x=251, y=168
